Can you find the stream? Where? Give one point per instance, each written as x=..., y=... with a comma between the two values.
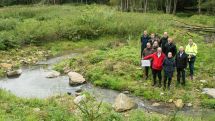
x=32, y=83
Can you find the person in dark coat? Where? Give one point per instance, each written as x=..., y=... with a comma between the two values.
x=181, y=60
x=164, y=40
x=170, y=47
x=155, y=46
x=144, y=40
x=169, y=68
x=152, y=38
x=147, y=51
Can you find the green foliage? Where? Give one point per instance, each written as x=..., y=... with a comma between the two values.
x=36, y=25
x=208, y=103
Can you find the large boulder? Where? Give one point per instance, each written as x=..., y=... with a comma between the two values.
x=179, y=103
x=14, y=73
x=209, y=91
x=123, y=103
x=75, y=79
x=53, y=74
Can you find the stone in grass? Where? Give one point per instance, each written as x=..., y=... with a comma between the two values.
x=123, y=103
x=6, y=66
x=79, y=99
x=189, y=104
x=36, y=109
x=179, y=103
x=170, y=100
x=156, y=104
x=203, y=81
x=75, y=79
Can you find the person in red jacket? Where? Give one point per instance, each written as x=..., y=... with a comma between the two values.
x=157, y=65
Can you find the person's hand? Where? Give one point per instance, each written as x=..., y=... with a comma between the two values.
x=189, y=56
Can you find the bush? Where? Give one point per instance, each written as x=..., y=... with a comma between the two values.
x=208, y=103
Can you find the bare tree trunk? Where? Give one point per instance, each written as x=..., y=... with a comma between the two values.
x=145, y=5
x=121, y=5
x=199, y=6
x=175, y=6
x=168, y=4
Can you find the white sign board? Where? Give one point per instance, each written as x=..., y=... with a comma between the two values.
x=145, y=63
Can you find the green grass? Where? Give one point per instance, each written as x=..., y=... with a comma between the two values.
x=62, y=108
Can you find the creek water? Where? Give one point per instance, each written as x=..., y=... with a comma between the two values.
x=32, y=83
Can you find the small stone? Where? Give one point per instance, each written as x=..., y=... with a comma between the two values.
x=155, y=104
x=69, y=93
x=79, y=99
x=179, y=103
x=161, y=93
x=53, y=74
x=77, y=94
x=36, y=109
x=170, y=100
x=126, y=92
x=6, y=66
x=203, y=81
x=15, y=73
x=78, y=90
x=189, y=104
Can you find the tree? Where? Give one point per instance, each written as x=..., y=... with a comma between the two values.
x=199, y=6
x=175, y=6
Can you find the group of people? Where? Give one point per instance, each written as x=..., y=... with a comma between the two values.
x=162, y=52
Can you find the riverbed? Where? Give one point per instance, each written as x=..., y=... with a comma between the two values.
x=32, y=83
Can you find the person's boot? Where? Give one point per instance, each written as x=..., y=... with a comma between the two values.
x=191, y=77
x=164, y=88
x=159, y=84
x=146, y=77
x=154, y=83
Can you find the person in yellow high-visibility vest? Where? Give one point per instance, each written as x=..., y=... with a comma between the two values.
x=191, y=50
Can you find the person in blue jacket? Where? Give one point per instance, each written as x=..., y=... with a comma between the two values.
x=144, y=40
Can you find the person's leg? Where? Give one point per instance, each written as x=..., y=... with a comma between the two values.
x=159, y=77
x=165, y=79
x=183, y=76
x=154, y=73
x=190, y=68
x=178, y=75
x=146, y=72
x=141, y=52
x=169, y=82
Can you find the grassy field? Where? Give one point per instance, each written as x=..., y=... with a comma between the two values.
x=109, y=44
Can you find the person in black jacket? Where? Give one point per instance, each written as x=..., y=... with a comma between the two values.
x=164, y=40
x=144, y=40
x=169, y=68
x=170, y=47
x=181, y=60
x=152, y=38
